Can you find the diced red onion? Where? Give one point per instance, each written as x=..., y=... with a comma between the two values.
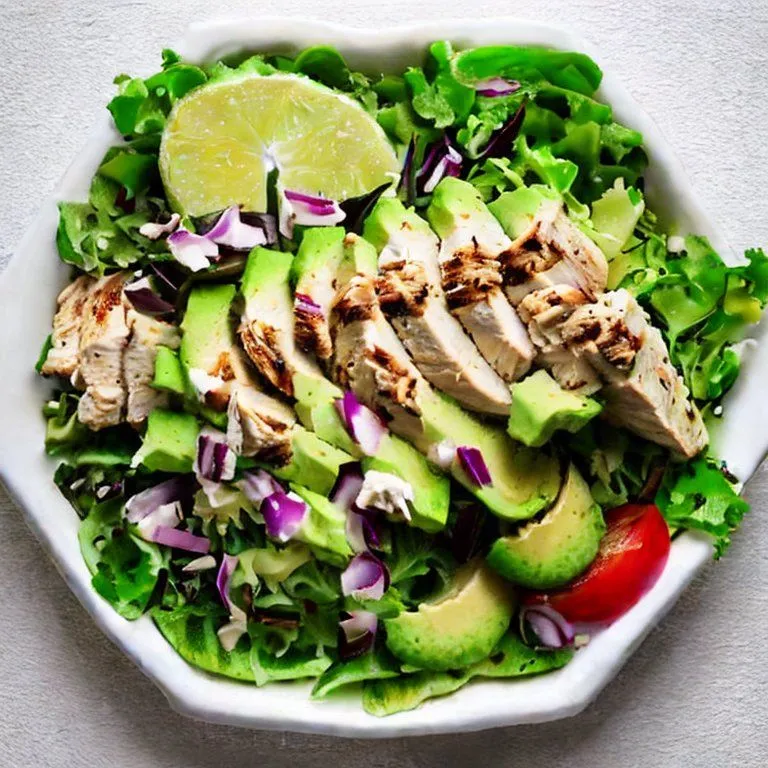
x=165, y=516
x=474, y=465
x=442, y=160
x=154, y=230
x=305, y=305
x=224, y=576
x=551, y=629
x=173, y=537
x=230, y=230
x=363, y=425
x=496, y=86
x=365, y=578
x=307, y=210
x=283, y=514
x=191, y=250
x=348, y=483
x=215, y=460
x=357, y=633
x=144, y=298
x=257, y=484
x=448, y=165
x=142, y=504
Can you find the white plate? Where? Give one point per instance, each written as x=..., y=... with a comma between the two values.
x=27, y=299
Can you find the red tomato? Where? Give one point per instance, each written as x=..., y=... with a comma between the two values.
x=632, y=555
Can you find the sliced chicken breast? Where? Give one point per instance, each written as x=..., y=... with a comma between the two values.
x=643, y=391
x=259, y=425
x=103, y=338
x=147, y=334
x=545, y=311
x=64, y=355
x=552, y=251
x=412, y=299
x=370, y=360
x=472, y=282
x=267, y=334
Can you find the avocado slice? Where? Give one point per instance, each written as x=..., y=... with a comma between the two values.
x=540, y=407
x=312, y=274
x=267, y=330
x=360, y=258
x=324, y=529
x=555, y=550
x=169, y=372
x=206, y=327
x=516, y=210
x=525, y=481
x=460, y=628
x=170, y=442
x=314, y=463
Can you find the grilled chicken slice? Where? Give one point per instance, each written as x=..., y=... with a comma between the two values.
x=147, y=334
x=370, y=360
x=259, y=425
x=552, y=251
x=64, y=354
x=472, y=240
x=544, y=312
x=411, y=297
x=103, y=337
x=267, y=328
x=643, y=391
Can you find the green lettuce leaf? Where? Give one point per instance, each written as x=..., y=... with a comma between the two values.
x=699, y=495
x=378, y=664
x=125, y=568
x=512, y=658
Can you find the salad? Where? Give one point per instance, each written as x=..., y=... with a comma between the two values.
x=385, y=379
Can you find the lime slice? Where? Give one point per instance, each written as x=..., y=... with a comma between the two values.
x=221, y=140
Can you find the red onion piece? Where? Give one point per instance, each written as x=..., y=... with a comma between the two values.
x=496, y=86
x=357, y=633
x=306, y=305
x=144, y=298
x=215, y=460
x=170, y=275
x=231, y=231
x=363, y=425
x=224, y=576
x=365, y=578
x=348, y=483
x=448, y=165
x=283, y=515
x=191, y=250
x=257, y=484
x=307, y=210
x=474, y=465
x=550, y=628
x=142, y=504
x=173, y=537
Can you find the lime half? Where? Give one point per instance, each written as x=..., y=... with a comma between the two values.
x=221, y=140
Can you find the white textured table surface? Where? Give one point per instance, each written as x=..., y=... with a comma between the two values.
x=695, y=694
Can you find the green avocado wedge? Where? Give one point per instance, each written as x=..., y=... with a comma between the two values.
x=458, y=629
x=555, y=550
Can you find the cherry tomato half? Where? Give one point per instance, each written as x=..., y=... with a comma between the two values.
x=632, y=555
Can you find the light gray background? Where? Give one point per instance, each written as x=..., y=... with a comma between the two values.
x=695, y=694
